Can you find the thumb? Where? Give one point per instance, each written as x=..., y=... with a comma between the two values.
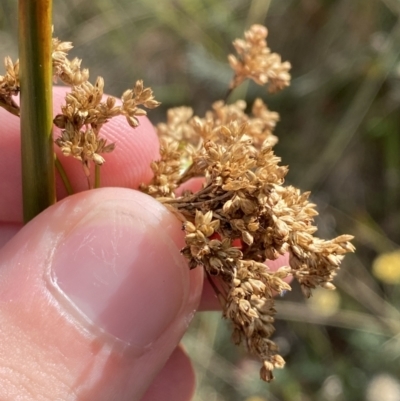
x=94, y=298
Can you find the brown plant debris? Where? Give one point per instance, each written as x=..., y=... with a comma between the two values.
x=244, y=214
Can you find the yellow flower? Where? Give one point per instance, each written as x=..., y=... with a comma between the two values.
x=324, y=302
x=386, y=267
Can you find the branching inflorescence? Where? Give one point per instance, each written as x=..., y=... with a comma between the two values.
x=243, y=215
x=87, y=109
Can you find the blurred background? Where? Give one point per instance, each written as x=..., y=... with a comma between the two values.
x=340, y=135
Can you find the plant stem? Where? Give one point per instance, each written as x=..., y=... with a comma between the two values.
x=97, y=176
x=218, y=293
x=35, y=48
x=63, y=175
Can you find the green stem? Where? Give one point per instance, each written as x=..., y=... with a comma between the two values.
x=35, y=48
x=227, y=94
x=63, y=175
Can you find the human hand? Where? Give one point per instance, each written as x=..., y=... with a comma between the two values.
x=94, y=294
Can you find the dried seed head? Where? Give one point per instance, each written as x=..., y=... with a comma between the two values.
x=255, y=61
x=242, y=216
x=85, y=110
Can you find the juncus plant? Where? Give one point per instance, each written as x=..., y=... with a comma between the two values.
x=218, y=174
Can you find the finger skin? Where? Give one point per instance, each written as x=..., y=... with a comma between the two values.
x=47, y=350
x=176, y=380
x=7, y=231
x=127, y=166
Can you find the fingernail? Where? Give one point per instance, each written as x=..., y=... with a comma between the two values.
x=122, y=270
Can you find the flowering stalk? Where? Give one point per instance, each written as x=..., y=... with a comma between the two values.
x=35, y=74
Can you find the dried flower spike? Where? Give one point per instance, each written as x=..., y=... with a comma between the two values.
x=86, y=109
x=135, y=97
x=243, y=198
x=255, y=61
x=243, y=215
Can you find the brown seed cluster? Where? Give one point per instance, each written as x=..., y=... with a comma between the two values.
x=183, y=133
x=243, y=215
x=243, y=198
x=9, y=86
x=256, y=61
x=67, y=71
x=86, y=109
